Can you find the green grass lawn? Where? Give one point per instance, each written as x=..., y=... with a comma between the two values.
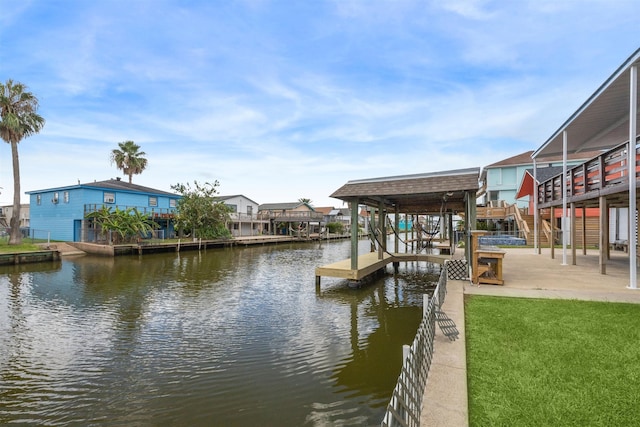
x=533, y=362
x=25, y=246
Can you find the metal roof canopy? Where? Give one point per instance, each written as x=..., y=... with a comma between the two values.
x=602, y=122
x=420, y=193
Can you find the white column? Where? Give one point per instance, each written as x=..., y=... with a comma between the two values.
x=535, y=206
x=564, y=197
x=631, y=156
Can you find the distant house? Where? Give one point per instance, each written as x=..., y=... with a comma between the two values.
x=62, y=211
x=244, y=216
x=502, y=179
x=285, y=218
x=6, y=213
x=340, y=215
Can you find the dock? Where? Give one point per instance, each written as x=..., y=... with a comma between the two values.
x=371, y=262
x=190, y=245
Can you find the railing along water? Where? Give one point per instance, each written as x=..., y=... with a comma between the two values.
x=405, y=406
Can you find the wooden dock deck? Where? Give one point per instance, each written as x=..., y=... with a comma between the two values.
x=369, y=264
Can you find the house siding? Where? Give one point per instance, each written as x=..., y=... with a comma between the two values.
x=244, y=221
x=505, y=180
x=56, y=220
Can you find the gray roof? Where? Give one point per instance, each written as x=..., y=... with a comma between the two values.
x=546, y=173
x=413, y=193
x=343, y=212
x=602, y=122
x=111, y=184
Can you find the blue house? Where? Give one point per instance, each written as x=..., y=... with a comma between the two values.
x=62, y=211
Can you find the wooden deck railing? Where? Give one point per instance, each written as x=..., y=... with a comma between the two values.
x=291, y=215
x=165, y=213
x=606, y=171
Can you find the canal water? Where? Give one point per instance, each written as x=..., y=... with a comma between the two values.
x=225, y=337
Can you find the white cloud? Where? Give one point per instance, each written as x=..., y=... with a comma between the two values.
x=281, y=101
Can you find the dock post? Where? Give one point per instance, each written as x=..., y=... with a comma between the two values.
x=317, y=284
x=354, y=234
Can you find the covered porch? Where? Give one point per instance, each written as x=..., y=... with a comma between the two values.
x=444, y=194
x=607, y=122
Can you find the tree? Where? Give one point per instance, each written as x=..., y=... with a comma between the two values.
x=200, y=212
x=18, y=120
x=129, y=159
x=127, y=225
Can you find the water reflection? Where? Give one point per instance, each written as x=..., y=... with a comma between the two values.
x=223, y=337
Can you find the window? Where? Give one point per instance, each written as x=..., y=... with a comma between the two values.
x=38, y=199
x=55, y=198
x=494, y=177
x=172, y=203
x=65, y=196
x=109, y=198
x=249, y=210
x=153, y=202
x=234, y=208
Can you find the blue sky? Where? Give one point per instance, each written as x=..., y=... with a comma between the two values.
x=280, y=100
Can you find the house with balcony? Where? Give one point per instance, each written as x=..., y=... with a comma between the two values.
x=244, y=216
x=501, y=180
x=607, y=122
x=502, y=208
x=339, y=215
x=61, y=212
x=292, y=218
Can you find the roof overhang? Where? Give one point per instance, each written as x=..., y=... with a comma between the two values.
x=602, y=122
x=421, y=193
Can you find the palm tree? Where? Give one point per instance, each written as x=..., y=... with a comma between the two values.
x=129, y=159
x=18, y=120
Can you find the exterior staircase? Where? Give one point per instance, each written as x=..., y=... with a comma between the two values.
x=546, y=230
x=524, y=222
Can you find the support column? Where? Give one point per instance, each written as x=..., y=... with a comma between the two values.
x=451, y=234
x=573, y=233
x=538, y=222
x=382, y=244
x=631, y=155
x=552, y=228
x=536, y=214
x=470, y=207
x=406, y=233
x=396, y=237
x=604, y=225
x=354, y=233
x=584, y=230
x=564, y=198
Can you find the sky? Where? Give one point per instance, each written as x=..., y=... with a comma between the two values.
x=280, y=100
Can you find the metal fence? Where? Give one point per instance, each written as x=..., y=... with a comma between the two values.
x=405, y=406
x=92, y=235
x=28, y=234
